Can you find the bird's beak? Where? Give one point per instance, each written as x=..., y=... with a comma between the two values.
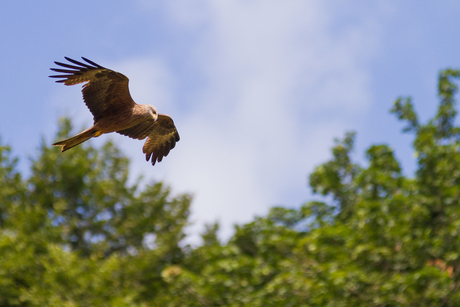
x=155, y=116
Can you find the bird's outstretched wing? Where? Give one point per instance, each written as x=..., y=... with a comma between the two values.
x=161, y=136
x=106, y=91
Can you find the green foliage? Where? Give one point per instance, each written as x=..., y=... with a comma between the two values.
x=384, y=240
x=12, y=191
x=76, y=233
x=336, y=177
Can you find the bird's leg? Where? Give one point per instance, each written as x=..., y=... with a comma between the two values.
x=96, y=133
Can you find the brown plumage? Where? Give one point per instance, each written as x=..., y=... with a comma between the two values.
x=106, y=94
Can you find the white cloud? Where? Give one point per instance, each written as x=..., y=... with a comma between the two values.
x=279, y=86
x=279, y=82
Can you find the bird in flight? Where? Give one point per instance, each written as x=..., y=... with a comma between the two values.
x=106, y=94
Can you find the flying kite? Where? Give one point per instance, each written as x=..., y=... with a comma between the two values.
x=106, y=94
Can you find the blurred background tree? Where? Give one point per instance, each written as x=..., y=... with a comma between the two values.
x=383, y=240
x=75, y=233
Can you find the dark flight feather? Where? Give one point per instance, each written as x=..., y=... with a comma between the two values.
x=161, y=136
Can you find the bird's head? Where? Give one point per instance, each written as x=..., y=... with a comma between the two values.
x=152, y=111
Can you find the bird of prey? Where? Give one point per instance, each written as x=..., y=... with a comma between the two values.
x=106, y=94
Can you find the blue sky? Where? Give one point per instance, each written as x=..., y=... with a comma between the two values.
x=258, y=89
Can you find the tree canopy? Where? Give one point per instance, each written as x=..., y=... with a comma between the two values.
x=76, y=233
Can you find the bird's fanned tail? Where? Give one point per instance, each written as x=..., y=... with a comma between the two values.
x=75, y=140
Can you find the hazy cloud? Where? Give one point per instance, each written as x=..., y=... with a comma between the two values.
x=277, y=83
x=280, y=82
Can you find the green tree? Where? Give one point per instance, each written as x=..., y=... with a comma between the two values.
x=384, y=240
x=77, y=234
x=85, y=195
